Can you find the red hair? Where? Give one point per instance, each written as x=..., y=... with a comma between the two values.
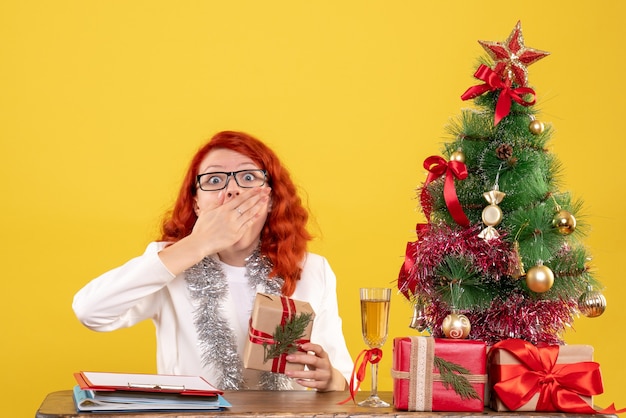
x=284, y=236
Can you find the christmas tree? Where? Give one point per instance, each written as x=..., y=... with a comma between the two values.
x=500, y=255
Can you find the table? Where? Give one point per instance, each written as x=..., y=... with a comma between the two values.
x=282, y=404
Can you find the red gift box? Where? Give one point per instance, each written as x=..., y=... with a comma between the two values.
x=418, y=384
x=525, y=377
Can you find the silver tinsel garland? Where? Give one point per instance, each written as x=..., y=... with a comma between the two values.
x=208, y=287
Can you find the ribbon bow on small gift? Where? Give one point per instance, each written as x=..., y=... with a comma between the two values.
x=507, y=94
x=560, y=386
x=436, y=167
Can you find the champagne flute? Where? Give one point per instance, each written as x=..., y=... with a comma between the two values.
x=374, y=320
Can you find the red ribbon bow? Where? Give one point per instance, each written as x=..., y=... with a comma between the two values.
x=406, y=277
x=436, y=167
x=560, y=386
x=405, y=282
x=259, y=337
x=373, y=356
x=494, y=82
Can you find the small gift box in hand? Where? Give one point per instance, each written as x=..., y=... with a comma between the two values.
x=278, y=326
x=437, y=374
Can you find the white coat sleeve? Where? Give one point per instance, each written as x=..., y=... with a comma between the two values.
x=327, y=326
x=125, y=295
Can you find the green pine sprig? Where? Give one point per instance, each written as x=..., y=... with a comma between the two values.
x=460, y=285
x=452, y=376
x=285, y=336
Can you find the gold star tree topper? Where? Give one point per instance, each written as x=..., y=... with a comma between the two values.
x=512, y=56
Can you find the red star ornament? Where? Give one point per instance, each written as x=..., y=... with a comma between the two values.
x=512, y=56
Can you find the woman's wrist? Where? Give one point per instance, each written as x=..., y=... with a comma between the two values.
x=183, y=254
x=337, y=382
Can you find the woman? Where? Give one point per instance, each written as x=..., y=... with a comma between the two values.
x=237, y=228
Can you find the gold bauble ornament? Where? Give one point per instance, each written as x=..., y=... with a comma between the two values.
x=536, y=127
x=564, y=222
x=456, y=325
x=591, y=303
x=457, y=156
x=539, y=278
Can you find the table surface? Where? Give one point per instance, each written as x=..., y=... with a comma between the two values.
x=279, y=404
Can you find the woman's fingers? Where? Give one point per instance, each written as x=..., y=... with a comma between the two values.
x=320, y=371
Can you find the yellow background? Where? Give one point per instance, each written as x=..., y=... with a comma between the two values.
x=102, y=103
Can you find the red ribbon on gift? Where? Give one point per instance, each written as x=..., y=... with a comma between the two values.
x=494, y=82
x=372, y=356
x=259, y=337
x=560, y=386
x=436, y=167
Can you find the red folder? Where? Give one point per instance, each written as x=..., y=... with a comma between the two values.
x=161, y=383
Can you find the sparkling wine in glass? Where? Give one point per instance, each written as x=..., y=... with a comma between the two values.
x=374, y=321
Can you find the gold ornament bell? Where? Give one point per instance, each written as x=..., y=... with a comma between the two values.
x=536, y=127
x=418, y=321
x=516, y=269
x=539, y=278
x=456, y=325
x=591, y=303
x=564, y=222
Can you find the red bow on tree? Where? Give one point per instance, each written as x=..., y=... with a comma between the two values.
x=507, y=94
x=436, y=167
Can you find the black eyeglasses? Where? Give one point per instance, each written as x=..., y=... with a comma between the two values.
x=211, y=182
